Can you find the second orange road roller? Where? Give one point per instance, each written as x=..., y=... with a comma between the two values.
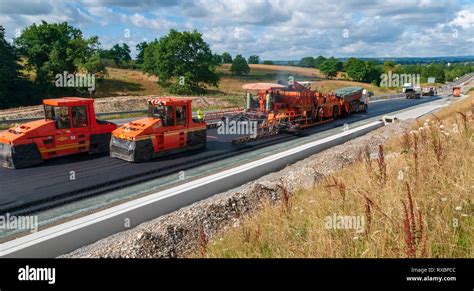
x=169, y=128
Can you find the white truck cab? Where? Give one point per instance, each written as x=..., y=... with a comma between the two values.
x=407, y=86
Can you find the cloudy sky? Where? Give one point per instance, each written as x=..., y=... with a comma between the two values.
x=273, y=29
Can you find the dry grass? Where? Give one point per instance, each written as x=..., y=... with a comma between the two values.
x=415, y=198
x=261, y=69
x=326, y=86
x=123, y=82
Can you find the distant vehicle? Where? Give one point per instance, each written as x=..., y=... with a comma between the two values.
x=69, y=127
x=456, y=91
x=412, y=93
x=428, y=91
x=407, y=86
x=364, y=100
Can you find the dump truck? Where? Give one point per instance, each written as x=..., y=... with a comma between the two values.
x=169, y=128
x=69, y=127
x=352, y=99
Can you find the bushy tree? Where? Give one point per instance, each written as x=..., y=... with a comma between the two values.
x=217, y=59
x=433, y=70
x=120, y=54
x=226, y=58
x=319, y=61
x=141, y=51
x=239, y=66
x=372, y=72
x=457, y=70
x=95, y=65
x=389, y=66
x=307, y=62
x=182, y=57
x=51, y=49
x=8, y=71
x=267, y=62
x=355, y=69
x=254, y=59
x=330, y=67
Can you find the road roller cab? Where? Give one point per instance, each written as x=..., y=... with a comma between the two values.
x=169, y=128
x=69, y=127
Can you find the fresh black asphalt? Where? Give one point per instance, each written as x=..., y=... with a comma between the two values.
x=95, y=174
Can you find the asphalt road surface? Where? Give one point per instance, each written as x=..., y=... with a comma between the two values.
x=31, y=188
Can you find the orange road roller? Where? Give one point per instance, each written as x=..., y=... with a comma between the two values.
x=169, y=128
x=69, y=127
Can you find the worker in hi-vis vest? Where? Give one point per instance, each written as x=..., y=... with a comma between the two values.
x=269, y=101
x=200, y=115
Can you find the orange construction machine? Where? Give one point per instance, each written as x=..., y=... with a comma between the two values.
x=457, y=91
x=352, y=99
x=69, y=127
x=169, y=128
x=293, y=107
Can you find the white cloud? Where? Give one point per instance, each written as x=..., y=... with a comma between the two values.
x=25, y=7
x=464, y=18
x=274, y=29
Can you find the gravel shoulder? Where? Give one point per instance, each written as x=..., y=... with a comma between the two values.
x=189, y=229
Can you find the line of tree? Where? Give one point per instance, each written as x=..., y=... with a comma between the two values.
x=441, y=72
x=369, y=71
x=182, y=61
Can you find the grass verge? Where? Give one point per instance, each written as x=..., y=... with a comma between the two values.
x=412, y=199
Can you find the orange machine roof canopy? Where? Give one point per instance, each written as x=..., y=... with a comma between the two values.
x=262, y=86
x=169, y=101
x=68, y=101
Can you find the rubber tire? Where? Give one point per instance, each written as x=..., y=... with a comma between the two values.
x=99, y=143
x=335, y=112
x=24, y=156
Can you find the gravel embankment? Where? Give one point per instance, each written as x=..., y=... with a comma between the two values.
x=187, y=230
